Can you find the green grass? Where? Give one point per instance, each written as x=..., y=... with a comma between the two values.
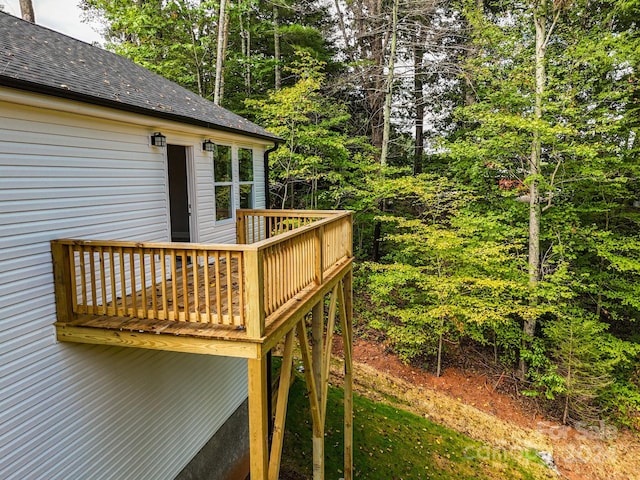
x=392, y=444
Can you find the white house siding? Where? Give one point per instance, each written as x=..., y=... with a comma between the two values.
x=93, y=412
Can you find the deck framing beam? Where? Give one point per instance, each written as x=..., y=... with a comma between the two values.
x=174, y=343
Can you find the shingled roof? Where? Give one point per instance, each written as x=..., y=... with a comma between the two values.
x=37, y=59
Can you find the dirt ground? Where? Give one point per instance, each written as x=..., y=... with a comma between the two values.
x=490, y=410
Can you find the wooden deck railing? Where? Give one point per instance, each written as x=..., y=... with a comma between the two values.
x=237, y=286
x=300, y=258
x=255, y=225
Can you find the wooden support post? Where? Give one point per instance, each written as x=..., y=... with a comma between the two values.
x=258, y=418
x=346, y=317
x=312, y=389
x=317, y=331
x=62, y=281
x=254, y=292
x=281, y=407
x=328, y=344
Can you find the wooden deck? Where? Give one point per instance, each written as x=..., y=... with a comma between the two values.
x=175, y=294
x=233, y=300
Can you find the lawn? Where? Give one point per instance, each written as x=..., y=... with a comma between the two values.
x=392, y=444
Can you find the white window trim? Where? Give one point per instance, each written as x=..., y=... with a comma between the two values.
x=234, y=175
x=253, y=174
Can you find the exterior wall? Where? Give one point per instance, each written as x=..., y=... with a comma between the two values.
x=81, y=411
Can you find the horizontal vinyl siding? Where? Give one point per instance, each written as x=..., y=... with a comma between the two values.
x=81, y=411
x=258, y=171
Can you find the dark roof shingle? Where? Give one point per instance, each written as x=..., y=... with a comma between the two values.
x=38, y=59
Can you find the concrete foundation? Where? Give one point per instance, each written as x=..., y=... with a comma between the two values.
x=226, y=454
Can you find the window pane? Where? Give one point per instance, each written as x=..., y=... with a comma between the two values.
x=246, y=196
x=223, y=202
x=222, y=163
x=245, y=159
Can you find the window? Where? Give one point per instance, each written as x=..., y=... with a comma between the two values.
x=223, y=182
x=245, y=168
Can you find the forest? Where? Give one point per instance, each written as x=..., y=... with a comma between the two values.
x=489, y=151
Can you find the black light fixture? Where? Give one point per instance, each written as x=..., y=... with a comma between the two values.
x=158, y=140
x=208, y=146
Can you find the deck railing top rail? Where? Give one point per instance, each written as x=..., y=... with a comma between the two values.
x=234, y=286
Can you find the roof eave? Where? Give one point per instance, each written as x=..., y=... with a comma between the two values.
x=103, y=102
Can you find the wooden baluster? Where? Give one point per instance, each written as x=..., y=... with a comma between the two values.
x=229, y=289
x=154, y=285
x=288, y=246
x=114, y=296
x=83, y=281
x=134, y=286
x=73, y=277
x=92, y=270
x=255, y=229
x=273, y=275
x=143, y=282
x=185, y=286
x=123, y=283
x=207, y=285
x=297, y=264
x=196, y=286
x=218, y=288
x=174, y=286
x=103, y=282
x=318, y=252
x=163, y=272
x=239, y=261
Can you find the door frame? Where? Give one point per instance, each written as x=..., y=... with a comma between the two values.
x=191, y=189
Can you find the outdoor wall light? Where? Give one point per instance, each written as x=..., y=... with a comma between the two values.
x=208, y=146
x=158, y=140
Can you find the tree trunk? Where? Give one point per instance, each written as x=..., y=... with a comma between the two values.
x=26, y=11
x=529, y=327
x=225, y=39
x=386, y=130
x=276, y=48
x=565, y=413
x=386, y=121
x=418, y=92
x=439, y=367
x=471, y=52
x=220, y=52
x=245, y=36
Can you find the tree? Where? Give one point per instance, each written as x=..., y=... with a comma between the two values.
x=549, y=130
x=449, y=276
x=582, y=363
x=175, y=39
x=223, y=32
x=317, y=165
x=26, y=11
